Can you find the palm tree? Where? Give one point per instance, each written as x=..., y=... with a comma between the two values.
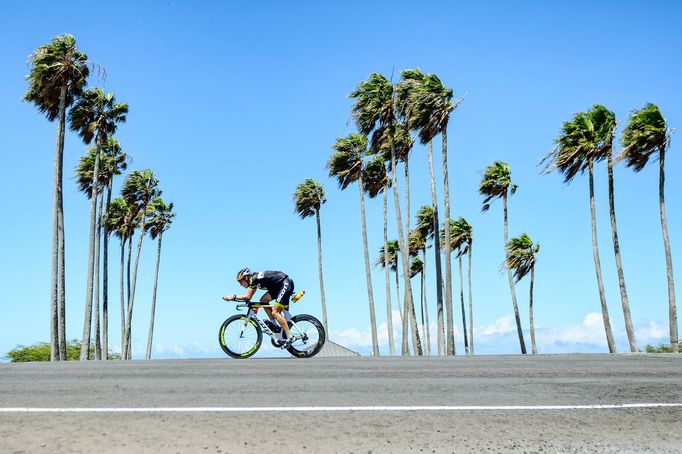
x=58, y=74
x=521, y=258
x=460, y=239
x=161, y=219
x=139, y=190
x=418, y=243
x=496, y=183
x=426, y=105
x=645, y=135
x=388, y=259
x=95, y=115
x=121, y=221
x=375, y=180
x=579, y=146
x=605, y=125
x=114, y=163
x=346, y=166
x=84, y=173
x=308, y=199
x=374, y=112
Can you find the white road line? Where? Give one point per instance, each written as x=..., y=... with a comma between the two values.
x=331, y=409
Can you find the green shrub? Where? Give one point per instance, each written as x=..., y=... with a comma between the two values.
x=41, y=352
x=662, y=348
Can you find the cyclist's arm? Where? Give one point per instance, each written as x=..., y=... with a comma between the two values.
x=246, y=297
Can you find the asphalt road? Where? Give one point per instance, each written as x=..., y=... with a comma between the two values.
x=562, y=403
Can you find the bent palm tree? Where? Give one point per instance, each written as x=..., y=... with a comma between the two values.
x=460, y=239
x=308, y=199
x=161, y=219
x=139, y=189
x=375, y=180
x=374, y=112
x=521, y=258
x=95, y=115
x=114, y=164
x=57, y=76
x=418, y=243
x=579, y=146
x=497, y=184
x=645, y=135
x=346, y=166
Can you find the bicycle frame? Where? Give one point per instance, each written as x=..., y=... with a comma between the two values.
x=252, y=313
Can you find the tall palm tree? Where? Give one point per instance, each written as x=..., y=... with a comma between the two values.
x=497, y=184
x=461, y=239
x=426, y=105
x=375, y=180
x=161, y=219
x=95, y=115
x=605, y=125
x=57, y=76
x=121, y=221
x=346, y=166
x=646, y=135
x=84, y=173
x=374, y=112
x=579, y=146
x=114, y=163
x=139, y=190
x=521, y=258
x=308, y=199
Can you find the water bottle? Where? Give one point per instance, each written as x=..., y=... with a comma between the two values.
x=298, y=296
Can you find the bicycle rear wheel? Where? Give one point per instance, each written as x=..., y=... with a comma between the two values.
x=240, y=338
x=310, y=336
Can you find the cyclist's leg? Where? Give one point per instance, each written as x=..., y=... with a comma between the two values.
x=282, y=303
x=265, y=299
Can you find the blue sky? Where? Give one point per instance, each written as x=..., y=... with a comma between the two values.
x=233, y=104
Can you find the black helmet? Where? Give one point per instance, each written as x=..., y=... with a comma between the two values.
x=243, y=273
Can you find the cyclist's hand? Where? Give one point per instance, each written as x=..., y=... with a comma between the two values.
x=228, y=298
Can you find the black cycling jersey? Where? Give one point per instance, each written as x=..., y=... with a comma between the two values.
x=267, y=280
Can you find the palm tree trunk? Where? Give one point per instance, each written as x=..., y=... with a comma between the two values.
x=436, y=251
x=124, y=355
x=150, y=336
x=123, y=316
x=413, y=316
x=619, y=264
x=105, y=276
x=405, y=260
x=62, y=285
x=451, y=349
x=131, y=301
x=98, y=343
x=389, y=308
x=425, y=308
x=368, y=274
x=319, y=271
x=461, y=297
x=471, y=306
x=55, y=325
x=511, y=282
x=597, y=266
x=672, y=308
x=530, y=312
x=85, y=346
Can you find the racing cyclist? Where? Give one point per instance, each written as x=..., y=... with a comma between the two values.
x=278, y=286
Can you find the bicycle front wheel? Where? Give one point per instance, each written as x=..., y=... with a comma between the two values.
x=240, y=337
x=309, y=334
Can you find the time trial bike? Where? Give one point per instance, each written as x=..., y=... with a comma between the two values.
x=241, y=335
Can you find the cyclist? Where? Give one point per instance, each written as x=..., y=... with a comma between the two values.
x=278, y=286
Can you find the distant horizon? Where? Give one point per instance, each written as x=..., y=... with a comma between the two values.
x=232, y=106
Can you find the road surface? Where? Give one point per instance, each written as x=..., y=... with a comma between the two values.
x=545, y=403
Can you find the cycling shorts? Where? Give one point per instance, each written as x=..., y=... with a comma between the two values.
x=282, y=295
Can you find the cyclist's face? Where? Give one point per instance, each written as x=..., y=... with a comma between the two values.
x=243, y=283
